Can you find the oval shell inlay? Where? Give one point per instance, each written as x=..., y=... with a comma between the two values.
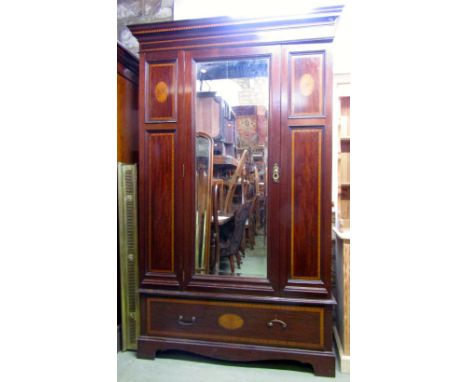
x=306, y=84
x=230, y=321
x=161, y=91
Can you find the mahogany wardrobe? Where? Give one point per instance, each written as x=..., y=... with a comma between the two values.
x=234, y=180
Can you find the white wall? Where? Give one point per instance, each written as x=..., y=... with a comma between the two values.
x=191, y=9
x=342, y=43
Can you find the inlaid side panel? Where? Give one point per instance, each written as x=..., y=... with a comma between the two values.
x=160, y=175
x=306, y=84
x=306, y=167
x=160, y=92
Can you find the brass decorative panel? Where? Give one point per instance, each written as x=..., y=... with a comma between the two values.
x=128, y=254
x=161, y=92
x=306, y=91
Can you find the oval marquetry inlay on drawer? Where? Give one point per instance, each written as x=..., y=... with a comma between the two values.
x=230, y=321
x=161, y=91
x=300, y=327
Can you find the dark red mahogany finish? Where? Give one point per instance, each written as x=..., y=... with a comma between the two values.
x=288, y=314
x=127, y=106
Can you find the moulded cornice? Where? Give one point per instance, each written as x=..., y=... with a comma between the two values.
x=211, y=26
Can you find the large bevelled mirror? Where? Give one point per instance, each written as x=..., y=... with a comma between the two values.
x=231, y=122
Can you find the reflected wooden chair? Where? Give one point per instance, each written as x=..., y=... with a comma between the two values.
x=232, y=183
x=231, y=246
x=217, y=185
x=227, y=219
x=252, y=221
x=250, y=224
x=259, y=195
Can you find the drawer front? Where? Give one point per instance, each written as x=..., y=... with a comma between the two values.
x=261, y=324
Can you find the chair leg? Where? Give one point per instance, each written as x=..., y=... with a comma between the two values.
x=217, y=254
x=231, y=262
x=242, y=245
x=254, y=229
x=238, y=258
x=249, y=234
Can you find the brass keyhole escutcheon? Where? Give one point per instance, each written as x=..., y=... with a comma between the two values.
x=276, y=174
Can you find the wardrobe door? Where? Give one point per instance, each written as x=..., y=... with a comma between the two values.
x=305, y=170
x=160, y=172
x=246, y=83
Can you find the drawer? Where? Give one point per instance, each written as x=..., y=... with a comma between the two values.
x=238, y=322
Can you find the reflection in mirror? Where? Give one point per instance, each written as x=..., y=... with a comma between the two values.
x=231, y=120
x=204, y=170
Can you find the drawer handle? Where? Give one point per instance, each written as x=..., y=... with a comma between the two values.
x=275, y=321
x=191, y=322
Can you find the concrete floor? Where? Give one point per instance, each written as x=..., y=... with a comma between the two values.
x=184, y=367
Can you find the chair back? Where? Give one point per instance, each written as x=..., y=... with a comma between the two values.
x=232, y=183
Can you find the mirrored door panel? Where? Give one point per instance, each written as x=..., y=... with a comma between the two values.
x=231, y=162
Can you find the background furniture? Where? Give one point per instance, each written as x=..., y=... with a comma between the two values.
x=127, y=106
x=216, y=119
x=342, y=226
x=127, y=152
x=344, y=164
x=341, y=330
x=288, y=313
x=251, y=126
